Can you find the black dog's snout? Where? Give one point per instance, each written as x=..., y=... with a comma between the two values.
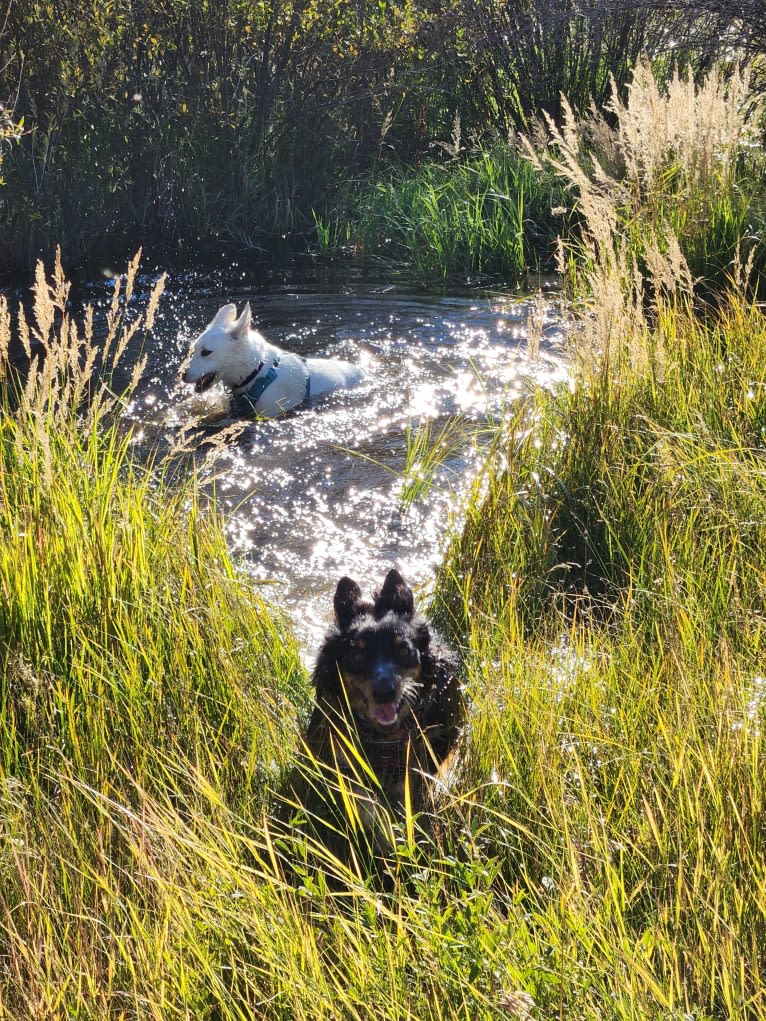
x=385, y=683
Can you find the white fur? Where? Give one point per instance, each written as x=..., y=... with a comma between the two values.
x=229, y=349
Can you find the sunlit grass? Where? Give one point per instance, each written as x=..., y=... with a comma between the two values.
x=127, y=633
x=610, y=584
x=599, y=853
x=487, y=213
x=668, y=190
x=428, y=449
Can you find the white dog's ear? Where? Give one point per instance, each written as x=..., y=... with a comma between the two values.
x=242, y=325
x=226, y=314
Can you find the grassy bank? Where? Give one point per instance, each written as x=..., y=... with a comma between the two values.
x=139, y=671
x=611, y=581
x=601, y=853
x=467, y=216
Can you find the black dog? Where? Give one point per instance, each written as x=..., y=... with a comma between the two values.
x=388, y=696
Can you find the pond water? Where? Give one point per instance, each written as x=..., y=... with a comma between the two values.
x=319, y=493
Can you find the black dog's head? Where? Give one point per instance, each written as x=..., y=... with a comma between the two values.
x=377, y=657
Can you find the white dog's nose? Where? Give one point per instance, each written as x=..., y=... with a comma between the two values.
x=189, y=374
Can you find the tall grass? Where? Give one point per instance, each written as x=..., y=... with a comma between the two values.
x=136, y=663
x=611, y=585
x=599, y=855
x=484, y=214
x=112, y=576
x=670, y=192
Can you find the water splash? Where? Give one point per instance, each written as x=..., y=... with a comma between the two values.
x=315, y=495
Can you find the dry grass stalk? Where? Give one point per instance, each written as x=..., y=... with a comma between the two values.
x=454, y=147
x=742, y=271
x=698, y=131
x=69, y=372
x=668, y=151
x=535, y=324
x=5, y=335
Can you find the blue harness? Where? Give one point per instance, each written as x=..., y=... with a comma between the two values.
x=247, y=400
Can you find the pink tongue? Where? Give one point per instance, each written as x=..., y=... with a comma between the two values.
x=385, y=713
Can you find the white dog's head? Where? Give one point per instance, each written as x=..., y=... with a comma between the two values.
x=225, y=350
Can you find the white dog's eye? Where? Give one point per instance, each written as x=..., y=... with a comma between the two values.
x=205, y=353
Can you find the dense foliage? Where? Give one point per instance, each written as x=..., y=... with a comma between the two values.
x=197, y=119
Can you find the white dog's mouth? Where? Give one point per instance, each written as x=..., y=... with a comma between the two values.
x=205, y=382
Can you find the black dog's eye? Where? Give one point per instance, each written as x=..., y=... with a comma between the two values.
x=357, y=654
x=404, y=653
x=205, y=353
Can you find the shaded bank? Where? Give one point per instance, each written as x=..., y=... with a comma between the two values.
x=183, y=122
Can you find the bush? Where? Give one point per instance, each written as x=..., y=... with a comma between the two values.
x=189, y=122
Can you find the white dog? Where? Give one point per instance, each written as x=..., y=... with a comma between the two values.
x=263, y=379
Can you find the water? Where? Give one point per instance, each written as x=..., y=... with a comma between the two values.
x=317, y=494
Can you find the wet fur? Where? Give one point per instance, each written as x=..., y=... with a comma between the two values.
x=229, y=349
x=386, y=687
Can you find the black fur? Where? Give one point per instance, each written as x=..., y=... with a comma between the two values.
x=386, y=682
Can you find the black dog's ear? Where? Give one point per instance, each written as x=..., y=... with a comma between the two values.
x=395, y=597
x=348, y=602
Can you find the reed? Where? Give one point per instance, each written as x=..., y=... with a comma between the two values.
x=668, y=194
x=470, y=216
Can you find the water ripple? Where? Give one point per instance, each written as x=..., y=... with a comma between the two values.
x=315, y=495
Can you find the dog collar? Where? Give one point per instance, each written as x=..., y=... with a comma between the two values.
x=248, y=398
x=252, y=387
x=249, y=378
x=375, y=737
x=388, y=756
x=258, y=384
x=386, y=753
